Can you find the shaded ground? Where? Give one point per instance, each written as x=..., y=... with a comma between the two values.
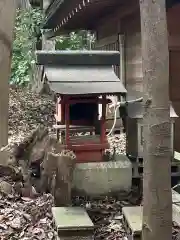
x=31, y=219
x=25, y=218
x=26, y=111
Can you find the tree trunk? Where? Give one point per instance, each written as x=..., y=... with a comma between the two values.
x=57, y=177
x=7, y=20
x=157, y=211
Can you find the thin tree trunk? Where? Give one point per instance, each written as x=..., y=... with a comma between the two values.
x=157, y=211
x=7, y=20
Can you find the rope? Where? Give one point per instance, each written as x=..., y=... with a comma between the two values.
x=117, y=106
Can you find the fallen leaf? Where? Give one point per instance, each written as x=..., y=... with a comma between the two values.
x=16, y=224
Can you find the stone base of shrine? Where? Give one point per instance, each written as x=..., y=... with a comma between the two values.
x=103, y=178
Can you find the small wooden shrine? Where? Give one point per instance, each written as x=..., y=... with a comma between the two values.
x=134, y=129
x=82, y=80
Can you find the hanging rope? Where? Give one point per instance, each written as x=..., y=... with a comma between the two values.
x=117, y=106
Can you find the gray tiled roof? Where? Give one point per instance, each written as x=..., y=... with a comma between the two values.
x=84, y=80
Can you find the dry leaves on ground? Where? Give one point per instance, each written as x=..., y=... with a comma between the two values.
x=27, y=111
x=25, y=218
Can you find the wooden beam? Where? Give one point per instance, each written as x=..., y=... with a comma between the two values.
x=174, y=42
x=122, y=11
x=7, y=20
x=127, y=8
x=104, y=41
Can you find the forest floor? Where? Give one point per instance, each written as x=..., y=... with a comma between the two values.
x=26, y=218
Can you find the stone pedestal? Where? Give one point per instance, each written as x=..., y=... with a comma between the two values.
x=73, y=223
x=103, y=178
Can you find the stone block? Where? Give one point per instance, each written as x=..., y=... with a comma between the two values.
x=102, y=178
x=132, y=217
x=73, y=223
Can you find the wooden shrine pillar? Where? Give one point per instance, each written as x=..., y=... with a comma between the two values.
x=67, y=120
x=103, y=120
x=7, y=21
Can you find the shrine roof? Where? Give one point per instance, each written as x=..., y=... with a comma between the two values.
x=77, y=58
x=81, y=72
x=84, y=80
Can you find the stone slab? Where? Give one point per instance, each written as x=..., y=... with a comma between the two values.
x=177, y=156
x=176, y=207
x=73, y=223
x=71, y=218
x=102, y=178
x=133, y=217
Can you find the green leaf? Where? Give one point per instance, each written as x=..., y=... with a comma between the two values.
x=26, y=28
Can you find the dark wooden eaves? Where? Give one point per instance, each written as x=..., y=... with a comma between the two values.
x=71, y=15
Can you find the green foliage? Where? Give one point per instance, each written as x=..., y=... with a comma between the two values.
x=28, y=34
x=27, y=29
x=74, y=41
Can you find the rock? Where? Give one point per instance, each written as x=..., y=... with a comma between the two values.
x=5, y=188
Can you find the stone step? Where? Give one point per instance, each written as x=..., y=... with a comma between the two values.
x=73, y=223
x=132, y=217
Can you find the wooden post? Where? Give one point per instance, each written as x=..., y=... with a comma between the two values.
x=67, y=120
x=103, y=119
x=7, y=20
x=58, y=119
x=157, y=202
